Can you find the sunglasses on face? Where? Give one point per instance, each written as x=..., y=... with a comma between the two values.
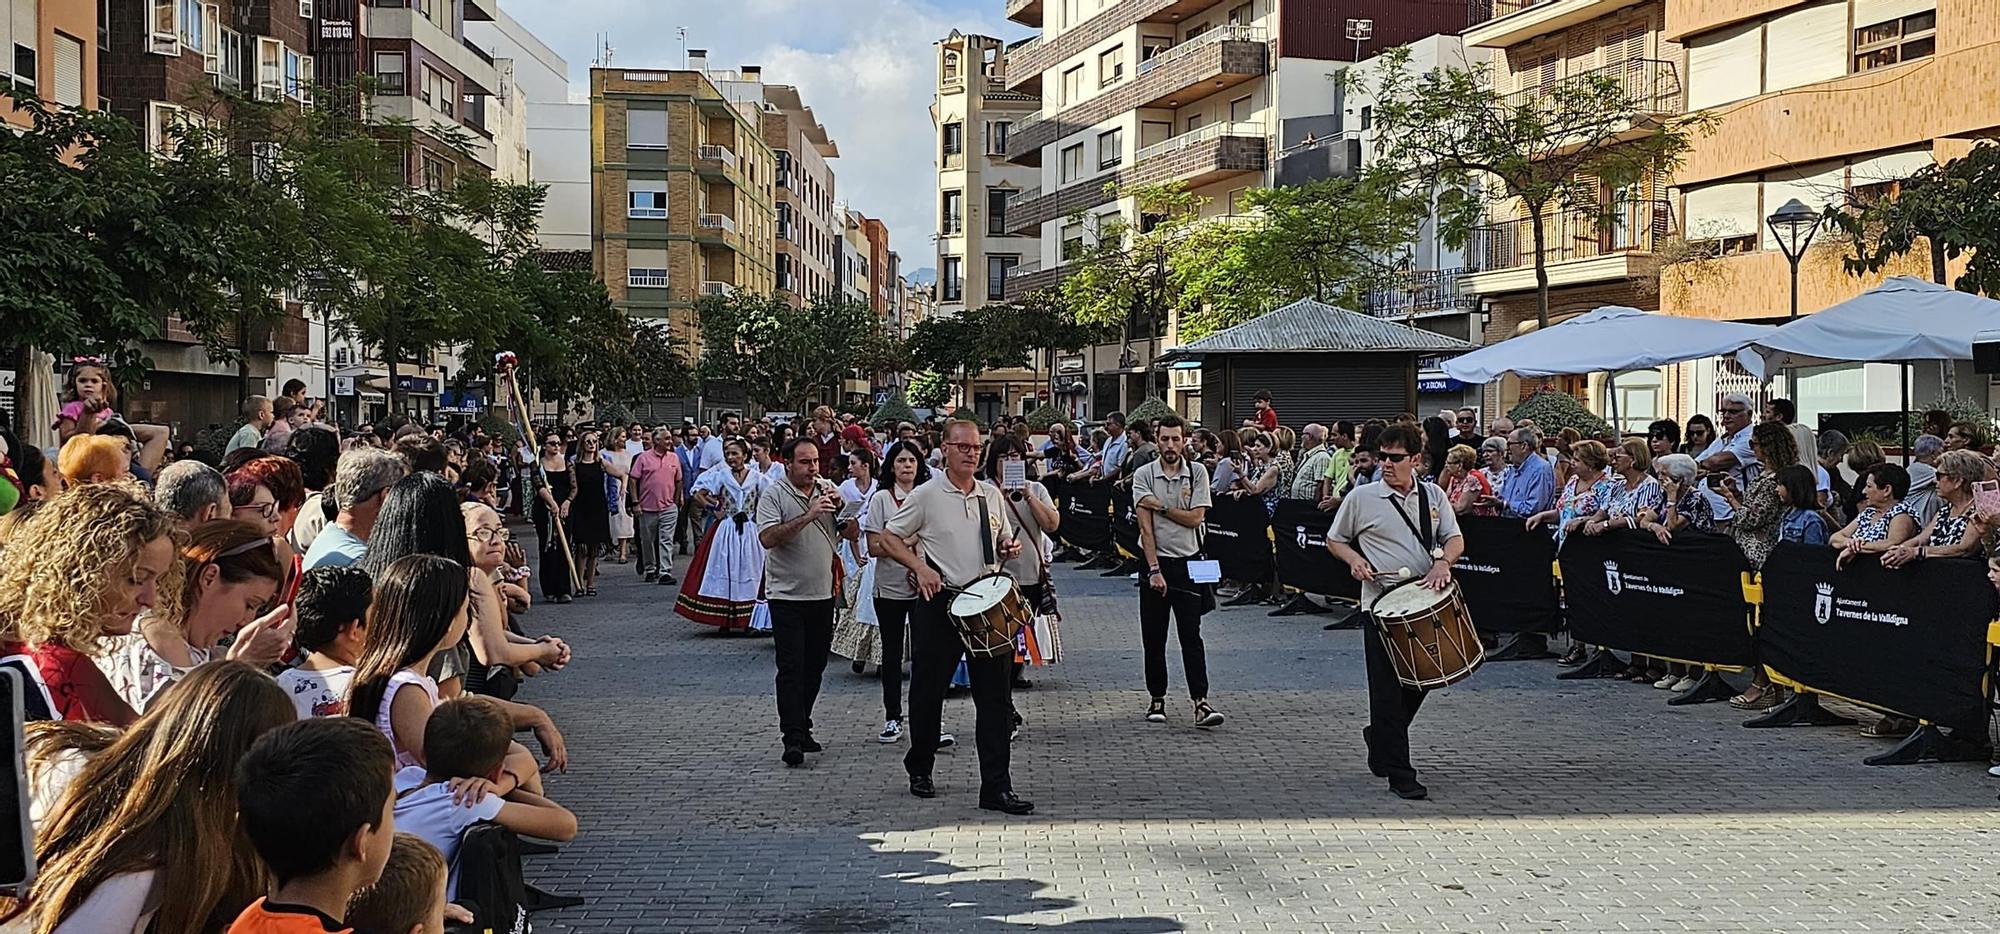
x=1394, y=458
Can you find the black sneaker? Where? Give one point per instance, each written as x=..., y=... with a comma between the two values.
x=667, y=580
x=811, y=745
x=794, y=756
x=1408, y=788
x=1156, y=712
x=920, y=785
x=652, y=577
x=1007, y=803
x=1206, y=716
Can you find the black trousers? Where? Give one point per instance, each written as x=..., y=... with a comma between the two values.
x=803, y=633
x=1183, y=599
x=935, y=649
x=1391, y=707
x=892, y=616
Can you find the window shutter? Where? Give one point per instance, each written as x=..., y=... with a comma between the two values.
x=1725, y=210
x=646, y=258
x=69, y=71
x=1725, y=66
x=646, y=129
x=1582, y=53
x=1805, y=46
x=1871, y=12
x=1815, y=186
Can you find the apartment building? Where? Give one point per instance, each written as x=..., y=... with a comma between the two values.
x=48, y=48
x=556, y=122
x=1139, y=92
x=856, y=277
x=685, y=195
x=882, y=273
x=159, y=65
x=1605, y=254
x=807, y=236
x=1819, y=102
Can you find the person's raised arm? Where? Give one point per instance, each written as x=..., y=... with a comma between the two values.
x=532, y=815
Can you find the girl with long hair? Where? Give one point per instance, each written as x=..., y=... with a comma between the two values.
x=420, y=516
x=230, y=574
x=145, y=837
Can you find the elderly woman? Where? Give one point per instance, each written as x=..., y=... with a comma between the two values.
x=1682, y=503
x=1964, y=436
x=1584, y=493
x=1471, y=493
x=1833, y=447
x=1760, y=515
x=1884, y=522
x=1631, y=493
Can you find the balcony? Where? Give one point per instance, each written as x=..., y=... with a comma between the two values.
x=1211, y=63
x=714, y=288
x=1026, y=12
x=718, y=230
x=1030, y=277
x=1029, y=210
x=1336, y=156
x=722, y=222
x=715, y=163
x=477, y=66
x=1027, y=61
x=1420, y=293
x=1653, y=86
x=951, y=225
x=1499, y=24
x=422, y=116
x=1582, y=247
x=1202, y=157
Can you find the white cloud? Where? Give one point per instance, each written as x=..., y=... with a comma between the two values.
x=864, y=66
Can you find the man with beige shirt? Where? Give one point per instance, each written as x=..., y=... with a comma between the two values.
x=798, y=523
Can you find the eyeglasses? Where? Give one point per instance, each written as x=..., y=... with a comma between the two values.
x=963, y=447
x=268, y=510
x=1735, y=410
x=1394, y=458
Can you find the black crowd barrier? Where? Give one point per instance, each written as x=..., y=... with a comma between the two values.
x=1506, y=577
x=1125, y=526
x=1910, y=639
x=1086, y=514
x=1682, y=601
x=1298, y=529
x=1238, y=536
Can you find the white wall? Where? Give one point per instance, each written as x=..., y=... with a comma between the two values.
x=555, y=127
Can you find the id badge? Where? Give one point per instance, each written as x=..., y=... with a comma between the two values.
x=1204, y=571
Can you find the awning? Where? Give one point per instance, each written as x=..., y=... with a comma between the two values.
x=1610, y=339
x=1903, y=319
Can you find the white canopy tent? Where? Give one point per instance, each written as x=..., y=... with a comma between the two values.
x=1609, y=339
x=1901, y=320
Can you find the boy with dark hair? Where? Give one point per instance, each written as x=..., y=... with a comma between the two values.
x=409, y=898
x=331, y=607
x=464, y=780
x=315, y=800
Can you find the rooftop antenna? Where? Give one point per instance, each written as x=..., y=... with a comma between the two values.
x=1360, y=30
x=683, y=33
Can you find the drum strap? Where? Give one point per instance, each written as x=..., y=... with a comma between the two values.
x=985, y=530
x=1426, y=536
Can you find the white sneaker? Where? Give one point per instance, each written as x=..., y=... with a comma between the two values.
x=1667, y=682
x=892, y=730
x=946, y=741
x=1685, y=684
x=1994, y=771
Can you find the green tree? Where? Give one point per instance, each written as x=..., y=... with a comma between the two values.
x=930, y=390
x=1954, y=208
x=1558, y=147
x=792, y=357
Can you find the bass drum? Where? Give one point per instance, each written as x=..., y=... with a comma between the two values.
x=988, y=614
x=1428, y=635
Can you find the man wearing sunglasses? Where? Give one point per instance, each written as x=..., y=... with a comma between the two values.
x=1466, y=431
x=1380, y=534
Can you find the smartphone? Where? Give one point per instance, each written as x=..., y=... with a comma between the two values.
x=17, y=838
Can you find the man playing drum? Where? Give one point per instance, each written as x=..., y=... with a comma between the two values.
x=1379, y=534
x=942, y=519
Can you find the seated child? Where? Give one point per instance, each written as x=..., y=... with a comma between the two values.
x=331, y=608
x=464, y=779
x=315, y=799
x=409, y=898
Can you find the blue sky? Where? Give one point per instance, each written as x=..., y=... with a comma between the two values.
x=864, y=66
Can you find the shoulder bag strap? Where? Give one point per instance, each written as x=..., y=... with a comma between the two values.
x=985, y=527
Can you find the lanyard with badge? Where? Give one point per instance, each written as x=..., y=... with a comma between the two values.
x=1201, y=568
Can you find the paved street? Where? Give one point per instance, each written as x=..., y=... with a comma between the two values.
x=1556, y=806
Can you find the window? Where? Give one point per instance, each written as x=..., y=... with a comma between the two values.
x=229, y=74
x=270, y=69
x=951, y=217
x=188, y=25
x=298, y=76
x=211, y=34
x=19, y=39
x=645, y=129
x=306, y=8
x=166, y=26
x=996, y=212
x=1111, y=66
x=951, y=279
x=1072, y=85
x=441, y=92
x=1240, y=109
x=954, y=139
x=1896, y=41
x=436, y=173
x=69, y=71
x=162, y=120
x=1193, y=122
x=1367, y=117
x=1072, y=241
x=391, y=78
x=785, y=272
x=996, y=136
x=997, y=268
x=784, y=169
x=646, y=267
x=784, y=221
x=1072, y=163
x=951, y=67
x=1110, y=148
x=646, y=198
x=1195, y=30
x=1240, y=15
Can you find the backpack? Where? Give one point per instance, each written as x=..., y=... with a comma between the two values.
x=488, y=868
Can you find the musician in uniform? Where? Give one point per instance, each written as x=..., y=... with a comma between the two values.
x=1170, y=496
x=962, y=528
x=798, y=523
x=1388, y=531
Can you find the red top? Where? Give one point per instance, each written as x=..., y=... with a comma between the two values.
x=79, y=688
x=1268, y=419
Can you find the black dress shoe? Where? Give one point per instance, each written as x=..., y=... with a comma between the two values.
x=1408, y=788
x=1008, y=803
x=794, y=756
x=1023, y=684
x=811, y=745
x=920, y=785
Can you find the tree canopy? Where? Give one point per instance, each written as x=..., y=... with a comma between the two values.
x=1953, y=207
x=790, y=358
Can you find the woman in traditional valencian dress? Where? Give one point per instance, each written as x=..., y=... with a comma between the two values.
x=725, y=579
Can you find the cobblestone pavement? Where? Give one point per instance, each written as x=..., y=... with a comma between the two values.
x=1557, y=806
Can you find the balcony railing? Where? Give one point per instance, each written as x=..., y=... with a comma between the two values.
x=1420, y=292
x=1202, y=135
x=1479, y=11
x=954, y=160
x=1653, y=86
x=717, y=288
x=722, y=222
x=1628, y=227
x=484, y=56
x=711, y=152
x=1022, y=197
x=951, y=225
x=1185, y=49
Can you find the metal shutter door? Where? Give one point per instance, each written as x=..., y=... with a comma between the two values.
x=1349, y=389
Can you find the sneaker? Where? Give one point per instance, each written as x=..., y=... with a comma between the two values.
x=1156, y=712
x=1206, y=716
x=794, y=756
x=1685, y=684
x=652, y=577
x=1667, y=682
x=946, y=741
x=1994, y=771
x=892, y=730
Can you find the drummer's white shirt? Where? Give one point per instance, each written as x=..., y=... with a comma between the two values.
x=1368, y=522
x=943, y=523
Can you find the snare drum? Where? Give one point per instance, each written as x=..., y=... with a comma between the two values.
x=1428, y=635
x=989, y=614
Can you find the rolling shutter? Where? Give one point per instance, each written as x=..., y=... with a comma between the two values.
x=1725, y=66
x=1805, y=46
x=1872, y=12
x=1341, y=386
x=69, y=71
x=1815, y=186
x=1725, y=210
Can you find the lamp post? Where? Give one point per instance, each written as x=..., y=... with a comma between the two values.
x=1794, y=226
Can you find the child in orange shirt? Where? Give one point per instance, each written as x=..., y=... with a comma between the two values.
x=316, y=799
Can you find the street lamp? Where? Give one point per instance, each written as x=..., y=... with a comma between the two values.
x=1794, y=226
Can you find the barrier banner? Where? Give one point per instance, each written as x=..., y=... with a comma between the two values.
x=1682, y=601
x=1125, y=527
x=1506, y=575
x=1298, y=529
x=1086, y=516
x=1238, y=534
x=1911, y=639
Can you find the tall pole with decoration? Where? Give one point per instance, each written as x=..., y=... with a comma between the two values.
x=505, y=365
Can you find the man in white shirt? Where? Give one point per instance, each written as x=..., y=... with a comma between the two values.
x=1729, y=455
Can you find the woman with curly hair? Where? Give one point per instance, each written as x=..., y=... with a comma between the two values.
x=144, y=838
x=80, y=572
